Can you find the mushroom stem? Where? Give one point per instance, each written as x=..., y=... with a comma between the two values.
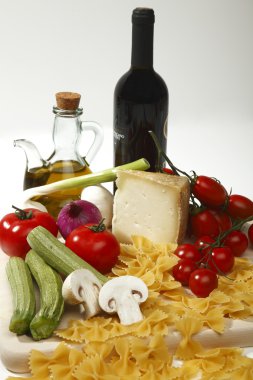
x=128, y=309
x=122, y=295
x=82, y=287
x=90, y=296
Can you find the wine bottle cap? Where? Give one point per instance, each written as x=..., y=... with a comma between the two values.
x=143, y=16
x=68, y=100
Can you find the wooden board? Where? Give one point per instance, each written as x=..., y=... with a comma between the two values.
x=14, y=350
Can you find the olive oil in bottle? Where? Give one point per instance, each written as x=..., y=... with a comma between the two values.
x=55, y=172
x=65, y=161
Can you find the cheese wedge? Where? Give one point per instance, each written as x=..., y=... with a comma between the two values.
x=153, y=205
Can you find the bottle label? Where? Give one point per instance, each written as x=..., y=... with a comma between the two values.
x=118, y=136
x=121, y=135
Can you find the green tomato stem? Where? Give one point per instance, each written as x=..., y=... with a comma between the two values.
x=22, y=214
x=218, y=241
x=237, y=226
x=176, y=171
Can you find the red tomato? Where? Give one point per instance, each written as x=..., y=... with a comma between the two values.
x=250, y=233
x=16, y=226
x=237, y=241
x=204, y=223
x=182, y=271
x=188, y=251
x=239, y=207
x=96, y=245
x=221, y=260
x=202, y=281
x=168, y=171
x=203, y=244
x=209, y=192
x=223, y=220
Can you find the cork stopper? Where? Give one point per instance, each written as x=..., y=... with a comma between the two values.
x=68, y=100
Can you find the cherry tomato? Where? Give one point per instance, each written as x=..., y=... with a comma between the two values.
x=203, y=244
x=204, y=223
x=237, y=241
x=182, y=271
x=188, y=251
x=15, y=227
x=96, y=245
x=168, y=171
x=223, y=220
x=202, y=281
x=250, y=233
x=209, y=192
x=221, y=260
x=239, y=207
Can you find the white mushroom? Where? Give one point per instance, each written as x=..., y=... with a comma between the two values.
x=82, y=287
x=123, y=295
x=102, y=198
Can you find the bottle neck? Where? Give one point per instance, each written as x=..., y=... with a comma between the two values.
x=142, y=46
x=66, y=133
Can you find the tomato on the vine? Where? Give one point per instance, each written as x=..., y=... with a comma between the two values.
x=203, y=244
x=183, y=269
x=239, y=207
x=250, y=233
x=221, y=260
x=237, y=241
x=15, y=226
x=204, y=223
x=188, y=251
x=203, y=281
x=209, y=191
x=223, y=219
x=168, y=171
x=96, y=245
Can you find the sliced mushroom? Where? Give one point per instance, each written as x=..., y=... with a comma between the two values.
x=122, y=295
x=82, y=287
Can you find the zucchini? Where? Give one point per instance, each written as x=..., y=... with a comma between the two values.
x=23, y=295
x=57, y=255
x=51, y=301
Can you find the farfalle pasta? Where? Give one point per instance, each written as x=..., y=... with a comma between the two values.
x=146, y=350
x=135, y=358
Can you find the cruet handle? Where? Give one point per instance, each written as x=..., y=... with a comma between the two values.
x=98, y=138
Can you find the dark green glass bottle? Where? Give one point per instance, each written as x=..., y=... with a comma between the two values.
x=140, y=99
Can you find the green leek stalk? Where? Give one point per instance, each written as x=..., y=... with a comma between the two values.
x=86, y=180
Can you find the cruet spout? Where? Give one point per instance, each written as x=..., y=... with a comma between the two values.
x=33, y=157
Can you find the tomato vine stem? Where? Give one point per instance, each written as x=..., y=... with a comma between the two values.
x=218, y=243
x=176, y=171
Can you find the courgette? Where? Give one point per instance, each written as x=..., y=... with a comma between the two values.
x=23, y=296
x=51, y=301
x=57, y=255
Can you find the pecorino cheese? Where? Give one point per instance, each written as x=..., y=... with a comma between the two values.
x=153, y=205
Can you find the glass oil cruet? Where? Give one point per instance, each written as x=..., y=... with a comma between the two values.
x=65, y=161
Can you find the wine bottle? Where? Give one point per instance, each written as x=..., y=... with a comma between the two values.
x=140, y=99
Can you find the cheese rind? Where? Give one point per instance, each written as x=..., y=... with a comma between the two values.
x=153, y=205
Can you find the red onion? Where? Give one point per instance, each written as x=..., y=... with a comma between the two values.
x=75, y=214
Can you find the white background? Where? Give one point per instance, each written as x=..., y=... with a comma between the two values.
x=202, y=49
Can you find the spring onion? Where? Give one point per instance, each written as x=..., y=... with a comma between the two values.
x=106, y=175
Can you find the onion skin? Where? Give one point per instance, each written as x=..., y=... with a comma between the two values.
x=75, y=214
